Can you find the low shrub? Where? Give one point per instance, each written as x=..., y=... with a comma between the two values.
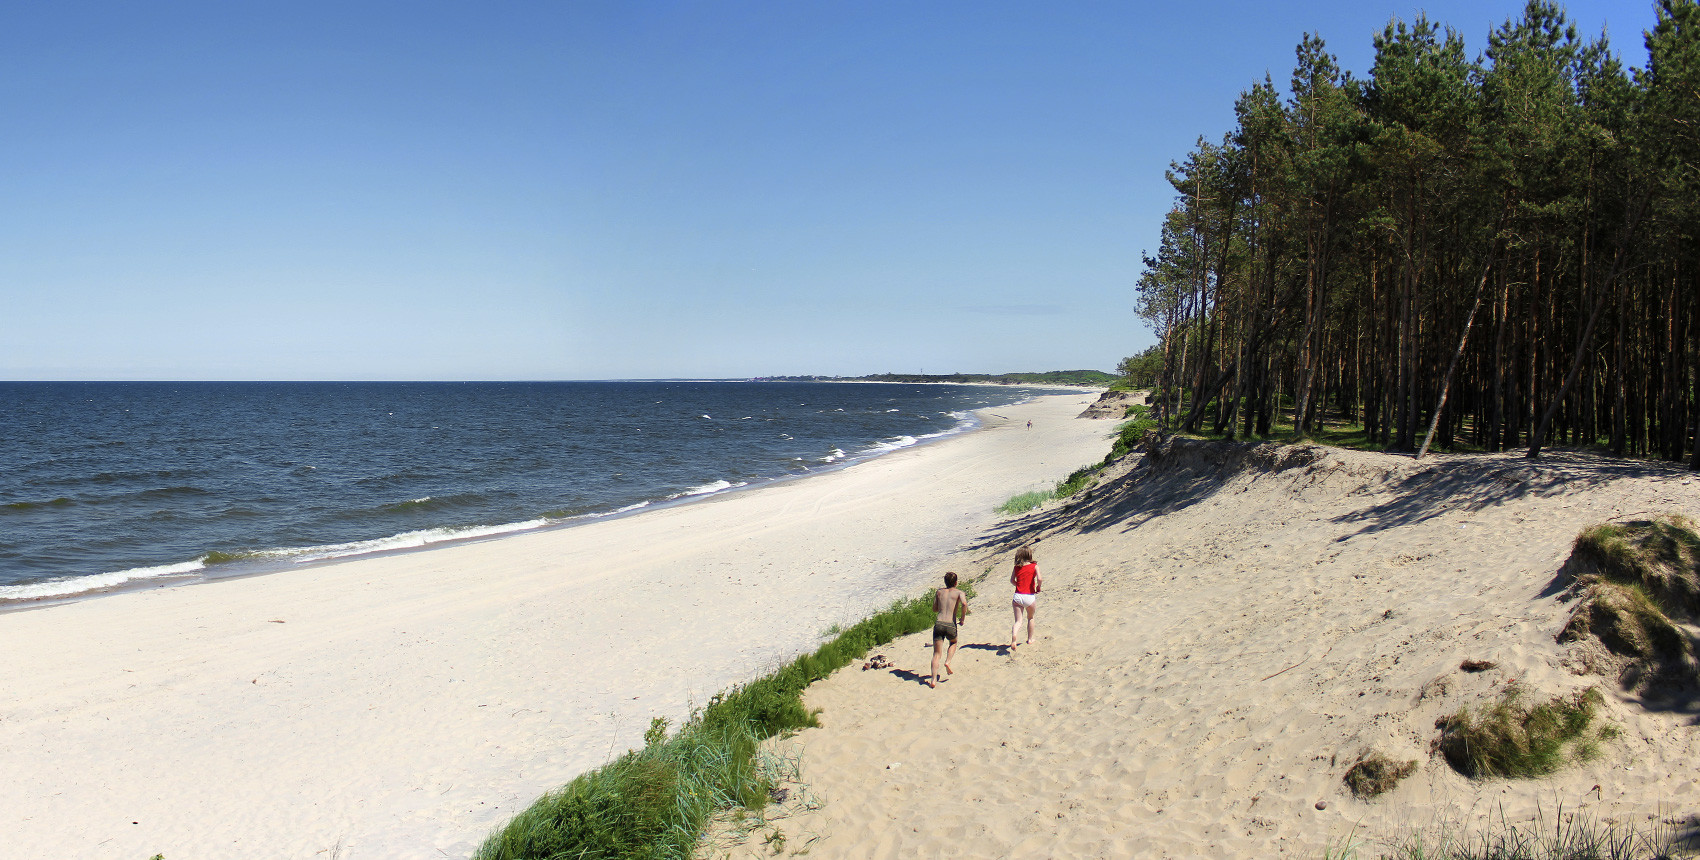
x=1128, y=436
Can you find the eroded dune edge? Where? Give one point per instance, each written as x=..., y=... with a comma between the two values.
x=1226, y=630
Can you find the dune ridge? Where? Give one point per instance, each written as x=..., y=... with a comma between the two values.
x=1226, y=630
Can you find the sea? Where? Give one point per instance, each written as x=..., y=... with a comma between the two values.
x=111, y=485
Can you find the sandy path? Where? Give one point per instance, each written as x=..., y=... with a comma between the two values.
x=1218, y=649
x=403, y=706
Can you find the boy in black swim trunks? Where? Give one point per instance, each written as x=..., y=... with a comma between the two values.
x=952, y=608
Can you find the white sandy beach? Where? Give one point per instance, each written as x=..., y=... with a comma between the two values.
x=403, y=706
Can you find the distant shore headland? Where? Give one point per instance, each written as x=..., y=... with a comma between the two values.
x=1086, y=378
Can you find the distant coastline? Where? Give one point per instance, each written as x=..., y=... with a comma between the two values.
x=1070, y=378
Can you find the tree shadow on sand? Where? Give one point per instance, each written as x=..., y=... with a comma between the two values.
x=1473, y=482
x=1174, y=474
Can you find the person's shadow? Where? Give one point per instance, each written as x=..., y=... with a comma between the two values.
x=907, y=675
x=1000, y=650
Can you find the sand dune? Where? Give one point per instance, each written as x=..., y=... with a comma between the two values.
x=1224, y=632
x=403, y=706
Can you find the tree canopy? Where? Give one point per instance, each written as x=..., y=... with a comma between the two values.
x=1499, y=251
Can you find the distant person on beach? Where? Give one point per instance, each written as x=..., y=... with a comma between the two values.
x=1030, y=425
x=1025, y=577
x=952, y=608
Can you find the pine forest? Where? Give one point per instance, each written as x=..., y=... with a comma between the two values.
x=1488, y=253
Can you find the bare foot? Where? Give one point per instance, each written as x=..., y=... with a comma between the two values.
x=948, y=670
x=1030, y=642
x=933, y=682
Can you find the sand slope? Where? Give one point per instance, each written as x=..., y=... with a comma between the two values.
x=404, y=706
x=1224, y=632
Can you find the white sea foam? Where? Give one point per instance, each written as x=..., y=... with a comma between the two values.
x=892, y=444
x=713, y=487
x=836, y=455
x=98, y=582
x=405, y=540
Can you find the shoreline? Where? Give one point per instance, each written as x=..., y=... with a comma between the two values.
x=284, y=559
x=411, y=702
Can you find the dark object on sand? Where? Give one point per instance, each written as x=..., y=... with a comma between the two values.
x=1375, y=774
x=1478, y=665
x=878, y=662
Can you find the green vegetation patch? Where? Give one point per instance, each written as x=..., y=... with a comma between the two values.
x=1570, y=835
x=1129, y=434
x=1023, y=502
x=1511, y=738
x=1076, y=480
x=1095, y=378
x=1642, y=575
x=1627, y=620
x=1661, y=556
x=653, y=803
x=1376, y=773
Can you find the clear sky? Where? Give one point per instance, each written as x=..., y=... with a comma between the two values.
x=592, y=190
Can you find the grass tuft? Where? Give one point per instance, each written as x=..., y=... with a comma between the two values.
x=1510, y=738
x=1376, y=773
x=1638, y=577
x=1661, y=557
x=1024, y=502
x=1573, y=836
x=1076, y=480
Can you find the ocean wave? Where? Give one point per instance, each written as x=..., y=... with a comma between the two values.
x=222, y=557
x=433, y=503
x=836, y=455
x=19, y=507
x=169, y=492
x=885, y=445
x=69, y=586
x=404, y=540
x=405, y=476
x=123, y=475
x=711, y=487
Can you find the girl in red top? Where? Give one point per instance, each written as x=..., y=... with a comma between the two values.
x=1025, y=577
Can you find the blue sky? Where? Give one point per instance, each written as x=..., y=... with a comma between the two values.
x=590, y=190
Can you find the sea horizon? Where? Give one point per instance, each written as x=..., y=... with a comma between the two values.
x=208, y=481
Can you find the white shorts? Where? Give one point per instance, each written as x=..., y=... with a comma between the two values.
x=1025, y=599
